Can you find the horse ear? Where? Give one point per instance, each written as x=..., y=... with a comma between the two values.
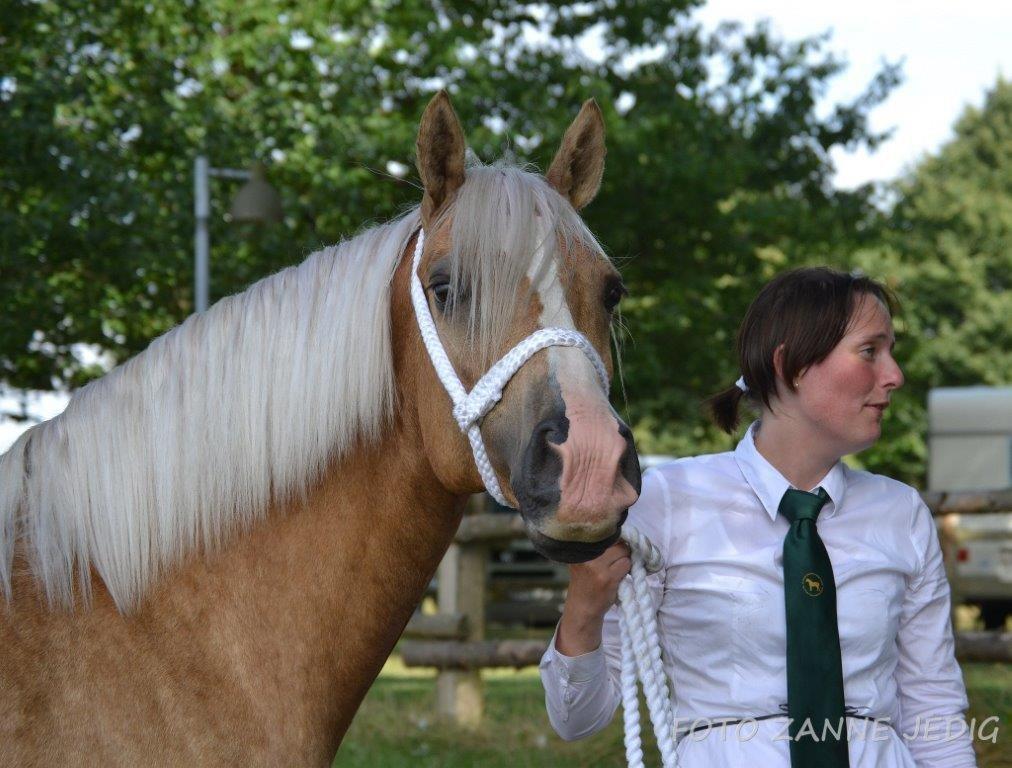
x=576, y=171
x=440, y=149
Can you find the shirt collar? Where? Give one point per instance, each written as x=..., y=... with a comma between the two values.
x=770, y=486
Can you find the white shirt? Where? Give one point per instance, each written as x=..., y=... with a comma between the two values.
x=720, y=601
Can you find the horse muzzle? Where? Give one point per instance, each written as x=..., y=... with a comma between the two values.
x=572, y=551
x=575, y=485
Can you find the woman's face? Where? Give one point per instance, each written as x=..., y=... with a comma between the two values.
x=843, y=397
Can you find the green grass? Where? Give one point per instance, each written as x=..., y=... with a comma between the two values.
x=396, y=726
x=990, y=689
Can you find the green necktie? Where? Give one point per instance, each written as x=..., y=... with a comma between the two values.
x=814, y=669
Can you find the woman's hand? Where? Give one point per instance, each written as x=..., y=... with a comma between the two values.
x=593, y=588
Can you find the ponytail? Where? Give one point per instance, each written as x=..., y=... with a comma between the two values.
x=723, y=408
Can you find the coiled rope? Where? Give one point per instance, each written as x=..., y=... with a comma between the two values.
x=641, y=655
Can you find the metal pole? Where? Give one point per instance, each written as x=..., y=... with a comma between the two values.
x=201, y=243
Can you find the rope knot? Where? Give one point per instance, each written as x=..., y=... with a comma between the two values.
x=646, y=549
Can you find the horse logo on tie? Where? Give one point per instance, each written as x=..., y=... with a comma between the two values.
x=812, y=584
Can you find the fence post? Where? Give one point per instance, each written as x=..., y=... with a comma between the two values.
x=459, y=695
x=948, y=540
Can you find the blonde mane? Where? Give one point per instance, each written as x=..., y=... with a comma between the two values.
x=247, y=403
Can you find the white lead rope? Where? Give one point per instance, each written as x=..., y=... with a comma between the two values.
x=641, y=655
x=640, y=642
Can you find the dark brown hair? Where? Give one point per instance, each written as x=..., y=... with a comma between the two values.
x=808, y=310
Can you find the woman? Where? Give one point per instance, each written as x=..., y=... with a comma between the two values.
x=803, y=606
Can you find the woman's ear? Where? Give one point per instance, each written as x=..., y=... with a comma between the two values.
x=778, y=355
x=778, y=368
x=778, y=365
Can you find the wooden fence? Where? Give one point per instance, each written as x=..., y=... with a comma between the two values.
x=453, y=640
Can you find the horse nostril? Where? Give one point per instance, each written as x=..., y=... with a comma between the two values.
x=553, y=430
x=629, y=464
x=542, y=464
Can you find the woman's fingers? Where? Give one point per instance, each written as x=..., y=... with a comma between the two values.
x=602, y=568
x=619, y=568
x=612, y=555
x=593, y=589
x=618, y=561
x=595, y=583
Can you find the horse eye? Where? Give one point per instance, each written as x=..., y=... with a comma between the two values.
x=613, y=294
x=441, y=293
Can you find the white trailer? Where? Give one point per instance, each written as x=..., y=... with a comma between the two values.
x=970, y=449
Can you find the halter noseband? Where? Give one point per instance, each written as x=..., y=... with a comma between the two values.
x=469, y=408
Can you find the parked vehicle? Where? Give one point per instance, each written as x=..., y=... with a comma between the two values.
x=970, y=447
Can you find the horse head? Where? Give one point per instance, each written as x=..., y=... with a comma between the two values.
x=505, y=256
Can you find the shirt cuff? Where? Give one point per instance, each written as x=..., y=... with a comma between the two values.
x=577, y=669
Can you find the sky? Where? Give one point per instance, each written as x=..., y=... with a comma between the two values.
x=952, y=52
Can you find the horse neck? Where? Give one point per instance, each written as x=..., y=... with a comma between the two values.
x=312, y=602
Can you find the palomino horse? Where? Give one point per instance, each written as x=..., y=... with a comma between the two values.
x=208, y=556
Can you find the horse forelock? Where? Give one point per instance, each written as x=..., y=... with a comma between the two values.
x=508, y=229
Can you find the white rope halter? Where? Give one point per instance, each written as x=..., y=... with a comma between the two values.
x=469, y=408
x=640, y=643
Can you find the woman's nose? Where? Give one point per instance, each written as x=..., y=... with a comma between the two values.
x=893, y=375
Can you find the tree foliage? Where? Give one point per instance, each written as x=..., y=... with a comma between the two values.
x=718, y=168
x=947, y=251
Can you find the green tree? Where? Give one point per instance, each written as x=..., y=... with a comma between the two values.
x=718, y=169
x=948, y=253
x=714, y=189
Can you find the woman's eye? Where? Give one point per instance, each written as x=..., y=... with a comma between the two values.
x=868, y=351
